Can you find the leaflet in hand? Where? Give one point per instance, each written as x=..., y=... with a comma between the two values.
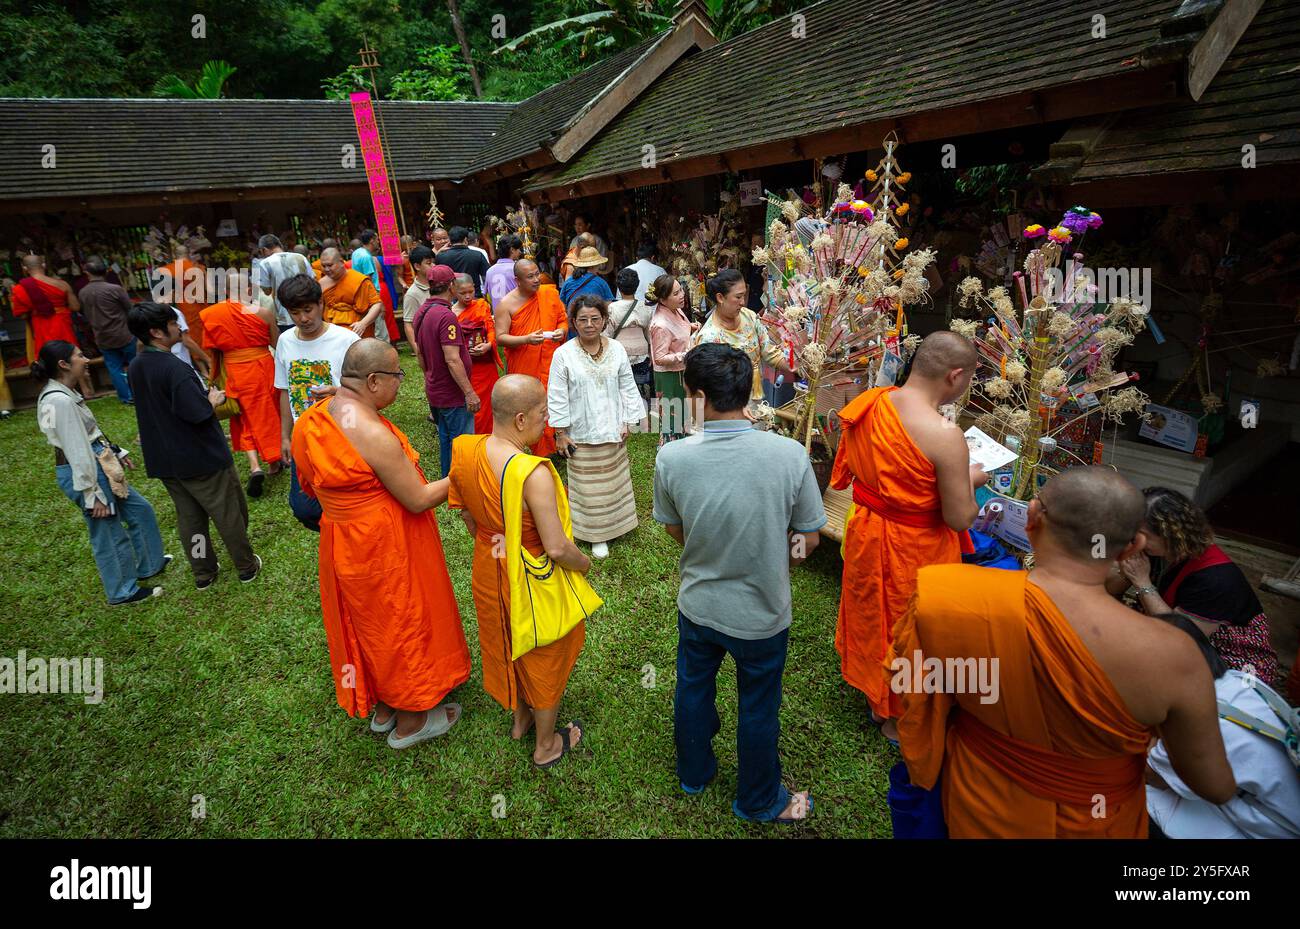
x=987, y=453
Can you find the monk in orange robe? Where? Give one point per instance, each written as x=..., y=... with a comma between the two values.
x=530, y=325
x=187, y=289
x=913, y=492
x=1033, y=696
x=349, y=296
x=477, y=326
x=533, y=684
x=246, y=335
x=397, y=647
x=47, y=302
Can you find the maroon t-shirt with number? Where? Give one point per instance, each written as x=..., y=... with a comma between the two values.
x=435, y=326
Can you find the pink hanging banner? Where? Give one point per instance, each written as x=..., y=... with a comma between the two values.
x=381, y=193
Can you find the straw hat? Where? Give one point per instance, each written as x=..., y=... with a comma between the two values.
x=588, y=257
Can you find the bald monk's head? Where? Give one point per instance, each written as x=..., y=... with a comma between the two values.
x=1089, y=514
x=519, y=409
x=528, y=277
x=331, y=263
x=33, y=264
x=462, y=290
x=944, y=365
x=371, y=372
x=327, y=242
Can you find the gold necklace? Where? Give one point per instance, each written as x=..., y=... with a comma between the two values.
x=600, y=353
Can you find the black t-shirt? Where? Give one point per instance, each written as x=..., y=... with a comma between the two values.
x=1219, y=593
x=180, y=435
x=464, y=260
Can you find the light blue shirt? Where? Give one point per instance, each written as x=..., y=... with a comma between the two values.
x=364, y=262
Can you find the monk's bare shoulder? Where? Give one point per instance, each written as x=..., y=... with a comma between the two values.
x=936, y=437
x=510, y=302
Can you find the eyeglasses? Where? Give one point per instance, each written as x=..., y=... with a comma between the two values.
x=397, y=374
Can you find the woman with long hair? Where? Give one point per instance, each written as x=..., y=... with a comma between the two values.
x=123, y=528
x=670, y=340
x=1181, y=569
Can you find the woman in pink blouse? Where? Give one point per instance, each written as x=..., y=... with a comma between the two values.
x=670, y=340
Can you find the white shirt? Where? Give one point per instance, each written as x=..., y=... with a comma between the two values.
x=1259, y=764
x=301, y=364
x=179, y=349
x=646, y=272
x=635, y=336
x=589, y=399
x=68, y=424
x=274, y=270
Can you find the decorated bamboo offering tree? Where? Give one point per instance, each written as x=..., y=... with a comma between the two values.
x=840, y=282
x=1046, y=371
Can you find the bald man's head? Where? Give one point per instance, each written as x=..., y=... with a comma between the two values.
x=33, y=263
x=331, y=262
x=942, y=352
x=366, y=356
x=528, y=276
x=327, y=243
x=1085, y=507
x=515, y=394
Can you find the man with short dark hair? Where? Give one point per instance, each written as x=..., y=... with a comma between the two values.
x=308, y=365
x=275, y=268
x=645, y=268
x=184, y=447
x=500, y=278
x=446, y=362
x=421, y=261
x=105, y=307
x=464, y=260
x=629, y=323
x=726, y=483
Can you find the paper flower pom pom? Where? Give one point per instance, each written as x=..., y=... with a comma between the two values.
x=1075, y=223
x=870, y=175
x=1035, y=231
x=1059, y=234
x=841, y=206
x=903, y=208
x=904, y=177
x=900, y=244
x=1094, y=220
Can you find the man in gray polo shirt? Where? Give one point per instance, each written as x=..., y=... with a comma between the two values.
x=745, y=506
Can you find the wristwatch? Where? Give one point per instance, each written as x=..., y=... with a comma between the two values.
x=1145, y=590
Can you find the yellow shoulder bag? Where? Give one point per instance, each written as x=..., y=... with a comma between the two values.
x=546, y=600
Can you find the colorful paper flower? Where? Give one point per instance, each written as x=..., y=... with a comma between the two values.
x=1035, y=231
x=1094, y=220
x=903, y=208
x=870, y=175
x=1059, y=234
x=1075, y=223
x=900, y=244
x=904, y=177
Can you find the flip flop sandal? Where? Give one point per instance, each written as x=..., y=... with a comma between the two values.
x=778, y=820
x=432, y=728
x=255, y=482
x=564, y=742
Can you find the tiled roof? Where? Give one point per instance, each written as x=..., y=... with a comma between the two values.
x=861, y=61
x=1254, y=99
x=113, y=147
x=542, y=117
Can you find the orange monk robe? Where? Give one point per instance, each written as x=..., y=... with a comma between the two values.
x=476, y=322
x=43, y=328
x=189, y=292
x=349, y=300
x=539, y=676
x=243, y=339
x=884, y=544
x=1056, y=743
x=401, y=640
x=544, y=311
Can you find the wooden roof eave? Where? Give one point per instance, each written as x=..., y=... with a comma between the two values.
x=1147, y=87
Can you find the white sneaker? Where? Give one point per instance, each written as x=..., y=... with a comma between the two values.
x=599, y=550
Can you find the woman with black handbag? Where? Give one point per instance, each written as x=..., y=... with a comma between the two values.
x=90, y=470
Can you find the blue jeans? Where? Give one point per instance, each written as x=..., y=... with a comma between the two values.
x=116, y=360
x=127, y=544
x=452, y=421
x=307, y=510
x=760, y=795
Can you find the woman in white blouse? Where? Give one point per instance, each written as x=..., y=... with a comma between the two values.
x=123, y=530
x=593, y=400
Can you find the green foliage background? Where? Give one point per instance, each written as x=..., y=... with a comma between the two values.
x=300, y=49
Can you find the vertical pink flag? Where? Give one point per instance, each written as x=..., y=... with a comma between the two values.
x=381, y=194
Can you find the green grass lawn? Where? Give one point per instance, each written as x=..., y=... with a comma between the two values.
x=226, y=693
